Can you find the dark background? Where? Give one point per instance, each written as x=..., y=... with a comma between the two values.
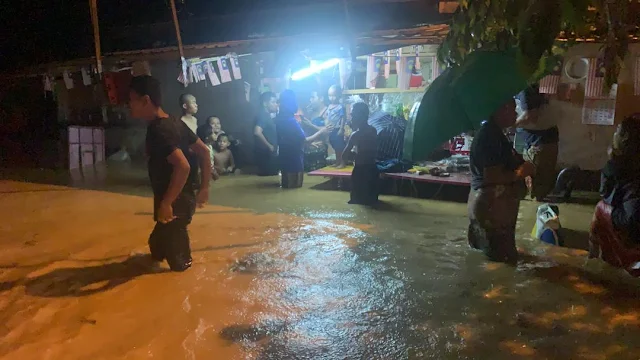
x=37, y=32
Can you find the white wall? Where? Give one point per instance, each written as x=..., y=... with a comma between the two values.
x=586, y=145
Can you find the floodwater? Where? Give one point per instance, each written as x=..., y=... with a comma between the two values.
x=295, y=274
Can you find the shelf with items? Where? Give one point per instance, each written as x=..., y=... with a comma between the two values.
x=383, y=91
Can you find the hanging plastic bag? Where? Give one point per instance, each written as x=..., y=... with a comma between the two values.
x=547, y=227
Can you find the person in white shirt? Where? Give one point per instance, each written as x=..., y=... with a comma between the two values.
x=539, y=124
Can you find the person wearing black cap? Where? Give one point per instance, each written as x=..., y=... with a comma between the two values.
x=541, y=139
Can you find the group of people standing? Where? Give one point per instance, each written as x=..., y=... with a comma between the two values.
x=281, y=139
x=499, y=173
x=219, y=143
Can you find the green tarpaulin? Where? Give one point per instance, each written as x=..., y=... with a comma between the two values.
x=461, y=98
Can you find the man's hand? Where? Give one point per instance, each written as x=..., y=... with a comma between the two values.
x=272, y=148
x=526, y=169
x=202, y=198
x=165, y=213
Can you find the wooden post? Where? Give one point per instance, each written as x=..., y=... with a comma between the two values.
x=176, y=24
x=93, y=4
x=350, y=35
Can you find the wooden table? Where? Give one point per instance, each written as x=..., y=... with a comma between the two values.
x=456, y=179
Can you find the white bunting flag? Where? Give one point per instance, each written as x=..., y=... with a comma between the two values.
x=398, y=53
x=235, y=66
x=387, y=64
x=183, y=78
x=344, y=66
x=200, y=72
x=223, y=67
x=213, y=77
x=194, y=77
x=86, y=77
x=46, y=81
x=68, y=81
x=373, y=70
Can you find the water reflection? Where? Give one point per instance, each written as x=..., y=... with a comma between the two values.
x=328, y=282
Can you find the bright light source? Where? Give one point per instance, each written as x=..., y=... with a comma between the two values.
x=314, y=69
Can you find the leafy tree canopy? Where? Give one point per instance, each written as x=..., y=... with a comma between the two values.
x=542, y=30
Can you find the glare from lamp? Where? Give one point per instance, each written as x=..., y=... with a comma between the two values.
x=306, y=72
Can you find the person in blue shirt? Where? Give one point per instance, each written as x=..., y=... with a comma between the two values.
x=291, y=141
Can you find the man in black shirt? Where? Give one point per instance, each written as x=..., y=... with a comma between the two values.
x=173, y=171
x=497, y=174
x=266, y=136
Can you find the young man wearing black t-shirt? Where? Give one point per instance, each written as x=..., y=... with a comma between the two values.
x=173, y=170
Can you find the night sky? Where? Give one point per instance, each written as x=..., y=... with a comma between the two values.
x=36, y=31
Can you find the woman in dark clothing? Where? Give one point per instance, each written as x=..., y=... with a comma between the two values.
x=620, y=180
x=497, y=177
x=291, y=141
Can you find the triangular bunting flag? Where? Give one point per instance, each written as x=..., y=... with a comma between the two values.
x=86, y=77
x=213, y=77
x=223, y=67
x=68, y=81
x=235, y=66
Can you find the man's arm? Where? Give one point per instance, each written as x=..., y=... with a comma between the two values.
x=179, y=176
x=204, y=159
x=315, y=136
x=496, y=169
x=350, y=144
x=257, y=131
x=308, y=123
x=499, y=175
x=527, y=117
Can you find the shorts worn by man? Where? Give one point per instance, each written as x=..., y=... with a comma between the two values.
x=173, y=150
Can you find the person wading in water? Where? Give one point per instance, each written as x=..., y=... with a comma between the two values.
x=174, y=151
x=497, y=177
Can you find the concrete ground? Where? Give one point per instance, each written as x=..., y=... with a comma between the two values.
x=292, y=274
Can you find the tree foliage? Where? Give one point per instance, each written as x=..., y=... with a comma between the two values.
x=541, y=30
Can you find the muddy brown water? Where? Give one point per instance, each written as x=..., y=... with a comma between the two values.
x=295, y=274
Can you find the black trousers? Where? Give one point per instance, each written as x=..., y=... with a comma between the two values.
x=364, y=184
x=267, y=162
x=170, y=241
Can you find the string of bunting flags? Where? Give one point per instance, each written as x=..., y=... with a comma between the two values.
x=196, y=70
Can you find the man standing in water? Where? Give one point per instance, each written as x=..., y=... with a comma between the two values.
x=173, y=150
x=497, y=175
x=266, y=136
x=541, y=140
